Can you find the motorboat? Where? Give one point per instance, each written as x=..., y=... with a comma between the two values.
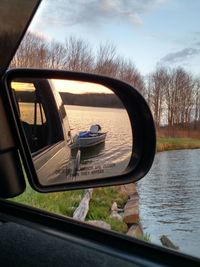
x=90, y=138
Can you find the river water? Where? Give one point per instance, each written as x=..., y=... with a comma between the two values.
x=170, y=199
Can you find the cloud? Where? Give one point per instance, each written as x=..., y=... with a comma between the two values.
x=181, y=56
x=90, y=12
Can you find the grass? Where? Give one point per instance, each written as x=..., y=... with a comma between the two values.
x=146, y=237
x=61, y=203
x=174, y=143
x=65, y=203
x=100, y=205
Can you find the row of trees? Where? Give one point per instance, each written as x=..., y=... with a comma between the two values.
x=76, y=55
x=173, y=94
x=174, y=97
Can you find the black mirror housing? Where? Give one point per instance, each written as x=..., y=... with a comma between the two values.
x=143, y=137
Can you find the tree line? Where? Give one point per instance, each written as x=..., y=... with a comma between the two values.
x=90, y=100
x=173, y=94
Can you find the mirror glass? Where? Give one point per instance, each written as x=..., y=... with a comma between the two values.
x=76, y=131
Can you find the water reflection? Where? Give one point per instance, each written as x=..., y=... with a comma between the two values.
x=170, y=201
x=92, y=152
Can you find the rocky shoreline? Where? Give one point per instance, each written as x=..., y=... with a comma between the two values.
x=129, y=214
x=131, y=210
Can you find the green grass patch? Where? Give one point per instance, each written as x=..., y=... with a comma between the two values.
x=100, y=205
x=146, y=237
x=65, y=203
x=173, y=143
x=116, y=225
x=61, y=203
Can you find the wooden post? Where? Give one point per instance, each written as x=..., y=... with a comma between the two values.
x=81, y=212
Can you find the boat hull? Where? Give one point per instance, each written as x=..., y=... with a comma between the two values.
x=92, y=140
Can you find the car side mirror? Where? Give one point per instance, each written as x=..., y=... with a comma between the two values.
x=78, y=130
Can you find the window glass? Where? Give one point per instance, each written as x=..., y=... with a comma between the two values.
x=31, y=111
x=155, y=47
x=31, y=114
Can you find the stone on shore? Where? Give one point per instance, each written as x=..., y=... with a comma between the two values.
x=135, y=230
x=114, y=212
x=131, y=211
x=129, y=189
x=167, y=242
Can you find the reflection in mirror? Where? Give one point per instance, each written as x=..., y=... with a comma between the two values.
x=76, y=131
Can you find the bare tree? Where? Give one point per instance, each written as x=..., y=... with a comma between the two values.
x=158, y=83
x=55, y=56
x=31, y=52
x=182, y=86
x=79, y=56
x=127, y=72
x=106, y=60
x=197, y=104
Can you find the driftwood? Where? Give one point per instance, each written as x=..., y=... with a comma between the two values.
x=167, y=242
x=81, y=212
x=135, y=230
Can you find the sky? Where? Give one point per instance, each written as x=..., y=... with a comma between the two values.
x=148, y=32
x=77, y=87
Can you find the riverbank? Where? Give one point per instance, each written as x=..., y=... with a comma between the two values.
x=119, y=210
x=176, y=143
x=65, y=203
